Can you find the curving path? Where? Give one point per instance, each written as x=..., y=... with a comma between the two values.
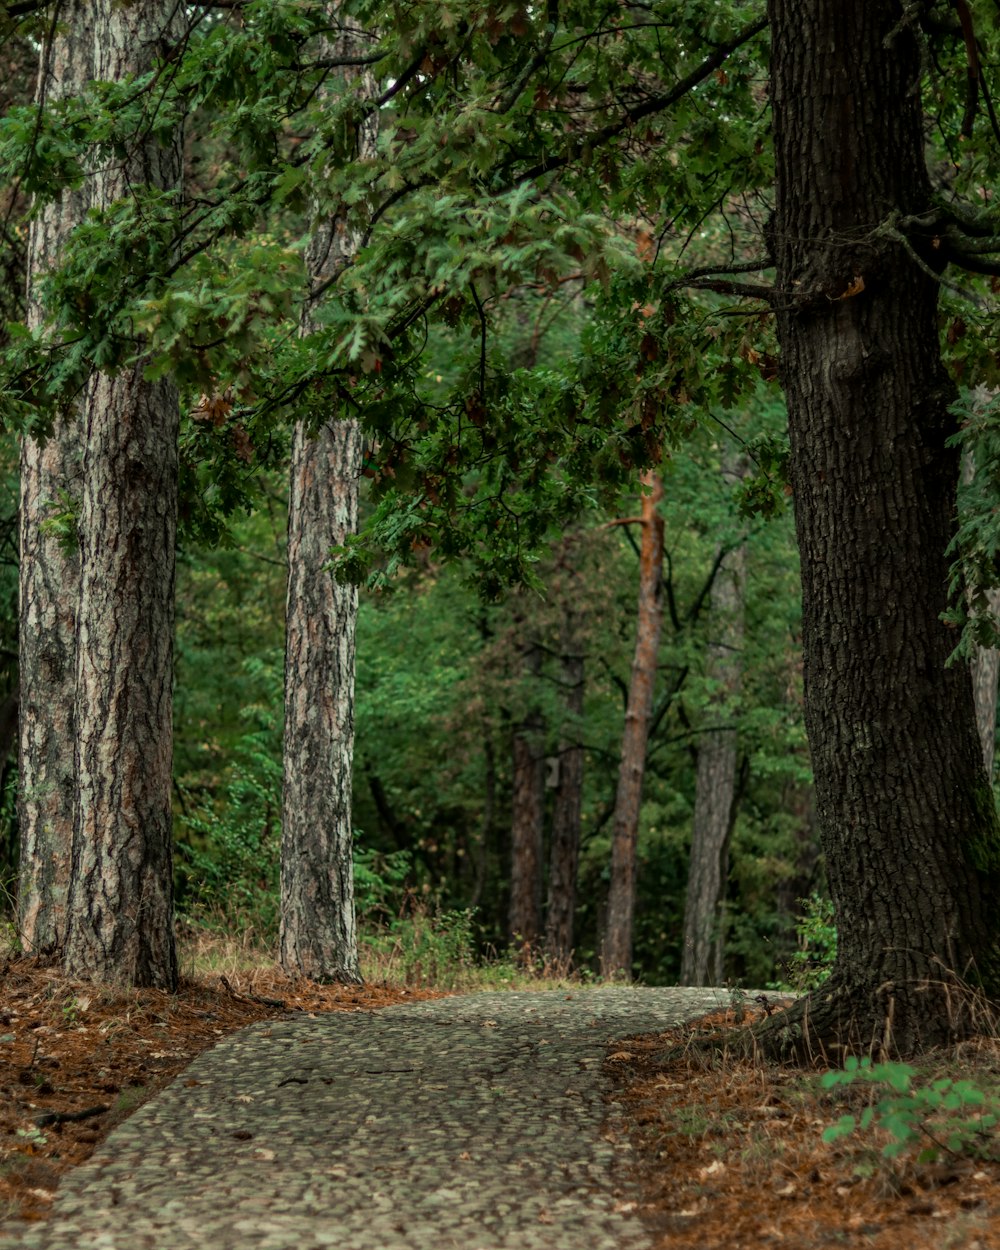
x=478, y=1122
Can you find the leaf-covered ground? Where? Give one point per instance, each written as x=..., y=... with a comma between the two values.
x=730, y=1155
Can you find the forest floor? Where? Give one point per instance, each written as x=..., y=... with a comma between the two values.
x=729, y=1153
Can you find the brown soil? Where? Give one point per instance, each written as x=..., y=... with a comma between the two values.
x=730, y=1155
x=78, y=1050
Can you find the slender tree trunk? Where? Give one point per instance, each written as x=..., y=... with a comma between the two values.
x=715, y=787
x=617, y=952
x=49, y=569
x=318, y=925
x=564, y=853
x=985, y=673
x=527, y=823
x=906, y=815
x=985, y=665
x=120, y=926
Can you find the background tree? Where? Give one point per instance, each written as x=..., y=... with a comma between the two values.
x=617, y=951
x=50, y=468
x=717, y=753
x=567, y=807
x=120, y=912
x=318, y=929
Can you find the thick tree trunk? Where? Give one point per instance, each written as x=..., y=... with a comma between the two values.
x=616, y=956
x=318, y=925
x=715, y=787
x=49, y=570
x=120, y=925
x=527, y=820
x=906, y=815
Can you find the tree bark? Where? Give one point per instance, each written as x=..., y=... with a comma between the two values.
x=527, y=821
x=616, y=957
x=985, y=665
x=906, y=814
x=120, y=924
x=564, y=852
x=715, y=787
x=49, y=569
x=985, y=674
x=318, y=935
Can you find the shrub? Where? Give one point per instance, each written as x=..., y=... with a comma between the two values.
x=947, y=1116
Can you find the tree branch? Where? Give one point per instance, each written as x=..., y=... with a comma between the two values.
x=655, y=104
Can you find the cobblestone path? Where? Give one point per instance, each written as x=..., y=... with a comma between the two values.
x=478, y=1122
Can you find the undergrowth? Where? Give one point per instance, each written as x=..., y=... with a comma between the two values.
x=937, y=1118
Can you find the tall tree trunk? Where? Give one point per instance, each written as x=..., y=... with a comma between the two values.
x=564, y=852
x=49, y=570
x=715, y=789
x=318, y=925
x=120, y=925
x=527, y=821
x=985, y=674
x=906, y=815
x=616, y=957
x=985, y=665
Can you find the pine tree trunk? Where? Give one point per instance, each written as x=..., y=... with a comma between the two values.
x=527, y=821
x=318, y=934
x=616, y=956
x=318, y=925
x=715, y=787
x=906, y=815
x=49, y=570
x=564, y=853
x=120, y=926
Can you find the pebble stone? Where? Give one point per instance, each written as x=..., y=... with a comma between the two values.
x=478, y=1122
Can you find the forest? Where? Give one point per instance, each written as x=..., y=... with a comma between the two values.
x=525, y=469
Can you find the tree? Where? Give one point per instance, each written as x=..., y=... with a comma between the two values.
x=906, y=816
x=527, y=816
x=616, y=956
x=120, y=921
x=716, y=785
x=49, y=560
x=564, y=852
x=318, y=927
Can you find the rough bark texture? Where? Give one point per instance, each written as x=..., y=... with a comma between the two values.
x=49, y=572
x=120, y=925
x=318, y=927
x=616, y=956
x=985, y=674
x=715, y=787
x=527, y=818
x=906, y=816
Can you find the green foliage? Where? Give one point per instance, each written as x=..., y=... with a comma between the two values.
x=229, y=851
x=816, y=934
x=944, y=1117
x=380, y=882
x=425, y=947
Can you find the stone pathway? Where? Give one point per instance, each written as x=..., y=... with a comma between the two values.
x=478, y=1122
